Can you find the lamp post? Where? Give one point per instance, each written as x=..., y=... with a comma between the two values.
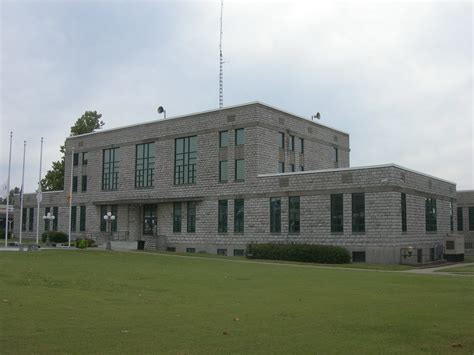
x=109, y=217
x=50, y=217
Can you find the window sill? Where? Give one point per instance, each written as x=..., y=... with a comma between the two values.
x=239, y=233
x=223, y=181
x=431, y=232
x=144, y=187
x=239, y=181
x=337, y=233
x=293, y=233
x=358, y=233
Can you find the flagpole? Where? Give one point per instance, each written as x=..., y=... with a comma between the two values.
x=39, y=195
x=22, y=194
x=70, y=195
x=8, y=190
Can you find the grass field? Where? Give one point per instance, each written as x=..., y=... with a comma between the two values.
x=98, y=302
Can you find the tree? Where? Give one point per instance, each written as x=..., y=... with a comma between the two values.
x=15, y=190
x=54, y=178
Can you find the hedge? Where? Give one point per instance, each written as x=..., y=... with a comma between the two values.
x=84, y=243
x=324, y=254
x=55, y=237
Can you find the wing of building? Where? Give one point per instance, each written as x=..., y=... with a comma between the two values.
x=216, y=181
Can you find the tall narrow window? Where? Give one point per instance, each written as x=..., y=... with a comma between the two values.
x=292, y=168
x=275, y=215
x=239, y=170
x=110, y=168
x=84, y=183
x=292, y=143
x=358, y=213
x=239, y=136
x=222, y=216
x=301, y=167
x=471, y=218
x=23, y=221
x=223, y=171
x=113, y=224
x=191, y=217
x=31, y=219
x=239, y=216
x=55, y=220
x=46, y=221
x=82, y=219
x=103, y=222
x=185, y=160
x=302, y=145
x=223, y=139
x=451, y=214
x=177, y=217
x=337, y=213
x=75, y=159
x=149, y=219
x=74, y=184
x=430, y=215
x=281, y=167
x=84, y=158
x=144, y=164
x=336, y=155
x=281, y=140
x=460, y=219
x=73, y=218
x=404, y=212
x=294, y=214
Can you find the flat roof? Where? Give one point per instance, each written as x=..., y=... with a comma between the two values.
x=207, y=112
x=355, y=168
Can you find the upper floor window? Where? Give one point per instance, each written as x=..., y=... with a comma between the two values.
x=281, y=140
x=281, y=167
x=292, y=143
x=451, y=214
x=185, y=160
x=239, y=136
x=239, y=170
x=84, y=158
x=460, y=219
x=75, y=159
x=223, y=171
x=144, y=164
x=430, y=215
x=358, y=213
x=74, y=184
x=223, y=139
x=292, y=168
x=301, y=145
x=110, y=166
x=404, y=212
x=336, y=155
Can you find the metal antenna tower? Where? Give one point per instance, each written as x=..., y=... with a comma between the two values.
x=221, y=63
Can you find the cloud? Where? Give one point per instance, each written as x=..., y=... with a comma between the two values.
x=397, y=76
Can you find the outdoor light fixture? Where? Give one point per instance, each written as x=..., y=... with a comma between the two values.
x=49, y=217
x=109, y=217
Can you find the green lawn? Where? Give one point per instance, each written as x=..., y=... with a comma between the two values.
x=98, y=302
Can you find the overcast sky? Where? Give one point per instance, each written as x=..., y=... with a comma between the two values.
x=397, y=76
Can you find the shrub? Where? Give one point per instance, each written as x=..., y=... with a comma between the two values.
x=84, y=243
x=55, y=237
x=325, y=254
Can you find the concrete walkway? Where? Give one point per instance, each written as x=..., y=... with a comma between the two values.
x=439, y=270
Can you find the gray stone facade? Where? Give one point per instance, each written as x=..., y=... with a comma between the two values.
x=383, y=240
x=465, y=225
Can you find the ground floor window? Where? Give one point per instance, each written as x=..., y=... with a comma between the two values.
x=31, y=219
x=191, y=217
x=73, y=218
x=238, y=216
x=337, y=213
x=46, y=221
x=173, y=249
x=358, y=213
x=430, y=215
x=177, y=217
x=294, y=214
x=239, y=252
x=222, y=216
x=55, y=220
x=471, y=218
x=149, y=219
x=222, y=252
x=23, y=219
x=82, y=219
x=460, y=219
x=190, y=250
x=275, y=215
x=358, y=256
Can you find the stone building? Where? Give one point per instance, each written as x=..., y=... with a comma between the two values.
x=216, y=181
x=465, y=218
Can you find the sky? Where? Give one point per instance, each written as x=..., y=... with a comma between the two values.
x=398, y=76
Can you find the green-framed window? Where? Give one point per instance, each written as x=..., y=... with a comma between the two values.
x=144, y=164
x=451, y=214
x=471, y=218
x=177, y=217
x=82, y=219
x=292, y=143
x=281, y=140
x=23, y=220
x=185, y=160
x=239, y=170
x=358, y=213
x=103, y=222
x=223, y=139
x=46, y=221
x=223, y=171
x=239, y=136
x=149, y=219
x=56, y=218
x=275, y=215
x=84, y=183
x=73, y=218
x=75, y=159
x=84, y=158
x=110, y=168
x=31, y=218
x=460, y=219
x=281, y=167
x=294, y=214
x=430, y=215
x=337, y=213
x=302, y=145
x=191, y=217
x=222, y=216
x=74, y=184
x=239, y=215
x=404, y=211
